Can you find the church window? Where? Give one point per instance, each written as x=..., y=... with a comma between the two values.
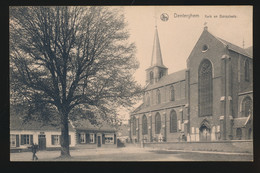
x=158, y=97
x=157, y=123
x=246, y=106
x=144, y=123
x=134, y=126
x=160, y=74
x=151, y=77
x=173, y=122
x=205, y=88
x=172, y=94
x=205, y=48
x=247, y=70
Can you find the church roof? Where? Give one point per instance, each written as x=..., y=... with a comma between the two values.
x=156, y=54
x=235, y=48
x=168, y=79
x=160, y=106
x=250, y=50
x=240, y=122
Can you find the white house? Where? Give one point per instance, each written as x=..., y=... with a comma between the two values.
x=23, y=135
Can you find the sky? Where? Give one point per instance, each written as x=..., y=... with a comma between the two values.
x=178, y=35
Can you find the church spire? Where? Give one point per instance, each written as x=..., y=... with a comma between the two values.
x=157, y=70
x=156, y=54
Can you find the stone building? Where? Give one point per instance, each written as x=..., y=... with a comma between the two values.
x=209, y=100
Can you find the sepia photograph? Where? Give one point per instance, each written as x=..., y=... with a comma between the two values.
x=131, y=83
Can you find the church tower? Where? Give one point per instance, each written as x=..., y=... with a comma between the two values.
x=157, y=70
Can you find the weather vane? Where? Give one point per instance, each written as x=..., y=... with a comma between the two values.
x=155, y=19
x=205, y=26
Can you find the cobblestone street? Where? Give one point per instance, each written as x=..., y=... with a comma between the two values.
x=132, y=154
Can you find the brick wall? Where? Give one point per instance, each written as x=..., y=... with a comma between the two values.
x=214, y=53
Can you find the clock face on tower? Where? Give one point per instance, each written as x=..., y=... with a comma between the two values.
x=164, y=17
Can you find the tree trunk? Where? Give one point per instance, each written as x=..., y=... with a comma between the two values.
x=64, y=140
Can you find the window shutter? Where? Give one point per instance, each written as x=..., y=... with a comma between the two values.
x=22, y=139
x=114, y=138
x=31, y=139
x=69, y=139
x=52, y=140
x=17, y=141
x=95, y=140
x=59, y=142
x=78, y=137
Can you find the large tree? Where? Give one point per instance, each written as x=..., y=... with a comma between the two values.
x=72, y=60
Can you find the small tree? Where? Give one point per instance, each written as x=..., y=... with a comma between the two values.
x=70, y=60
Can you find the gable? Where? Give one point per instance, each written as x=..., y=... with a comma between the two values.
x=214, y=52
x=213, y=44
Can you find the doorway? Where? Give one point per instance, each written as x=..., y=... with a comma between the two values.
x=99, y=141
x=42, y=142
x=205, y=133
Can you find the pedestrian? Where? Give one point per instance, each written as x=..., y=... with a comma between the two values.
x=34, y=150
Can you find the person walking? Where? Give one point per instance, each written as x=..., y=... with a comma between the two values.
x=34, y=150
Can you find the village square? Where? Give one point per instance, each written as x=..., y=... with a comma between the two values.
x=84, y=87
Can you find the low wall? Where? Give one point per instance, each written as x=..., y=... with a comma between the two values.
x=221, y=146
x=93, y=146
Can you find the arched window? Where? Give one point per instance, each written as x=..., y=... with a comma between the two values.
x=134, y=126
x=239, y=133
x=205, y=88
x=172, y=94
x=157, y=123
x=173, y=122
x=247, y=70
x=160, y=74
x=151, y=77
x=144, y=123
x=158, y=96
x=246, y=106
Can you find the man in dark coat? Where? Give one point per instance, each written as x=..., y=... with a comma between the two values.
x=34, y=150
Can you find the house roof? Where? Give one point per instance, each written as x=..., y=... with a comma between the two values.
x=160, y=106
x=168, y=79
x=17, y=123
x=86, y=125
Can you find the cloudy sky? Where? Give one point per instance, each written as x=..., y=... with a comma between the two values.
x=179, y=35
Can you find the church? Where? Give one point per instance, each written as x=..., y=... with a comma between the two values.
x=210, y=100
